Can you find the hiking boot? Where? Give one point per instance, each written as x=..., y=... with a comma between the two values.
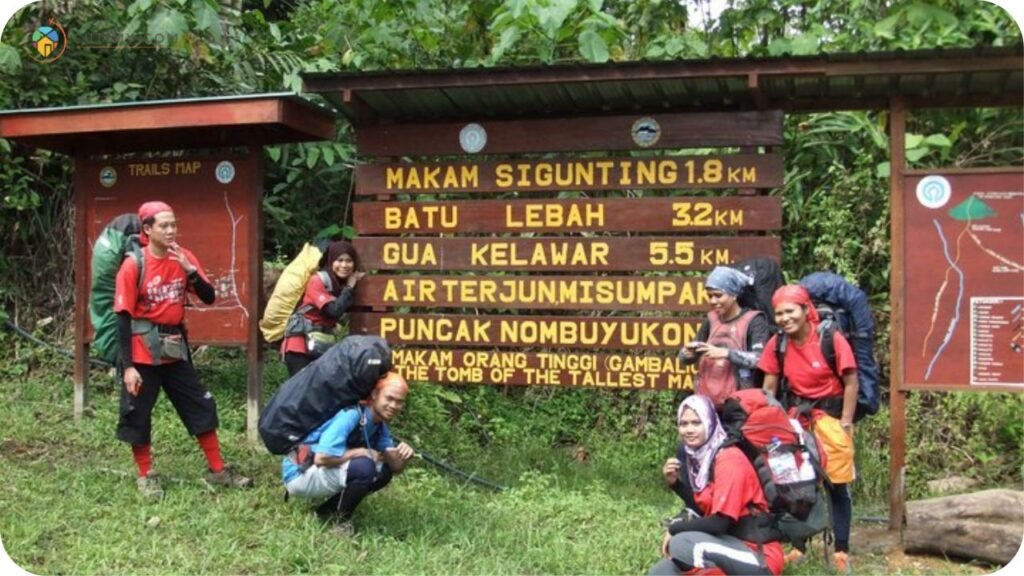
x=228, y=477
x=794, y=557
x=842, y=563
x=149, y=486
x=343, y=529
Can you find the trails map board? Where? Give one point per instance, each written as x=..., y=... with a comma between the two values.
x=964, y=289
x=210, y=198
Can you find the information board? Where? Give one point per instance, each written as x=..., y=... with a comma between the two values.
x=210, y=198
x=567, y=270
x=964, y=280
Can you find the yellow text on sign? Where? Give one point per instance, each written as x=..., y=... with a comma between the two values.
x=704, y=214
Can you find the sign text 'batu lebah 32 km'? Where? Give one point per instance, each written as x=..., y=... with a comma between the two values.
x=572, y=270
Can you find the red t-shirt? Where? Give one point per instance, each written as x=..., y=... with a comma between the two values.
x=317, y=296
x=736, y=487
x=162, y=296
x=808, y=373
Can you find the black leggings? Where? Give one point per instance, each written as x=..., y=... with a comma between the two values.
x=842, y=515
x=362, y=479
x=295, y=362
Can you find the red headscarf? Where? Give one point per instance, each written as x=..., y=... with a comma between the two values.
x=149, y=210
x=796, y=294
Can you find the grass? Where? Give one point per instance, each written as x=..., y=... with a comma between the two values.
x=68, y=502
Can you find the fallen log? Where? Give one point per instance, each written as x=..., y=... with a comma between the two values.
x=987, y=525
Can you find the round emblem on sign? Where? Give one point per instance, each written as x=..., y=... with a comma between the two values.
x=646, y=132
x=225, y=172
x=934, y=191
x=108, y=176
x=473, y=138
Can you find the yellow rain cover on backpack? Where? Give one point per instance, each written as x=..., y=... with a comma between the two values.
x=288, y=292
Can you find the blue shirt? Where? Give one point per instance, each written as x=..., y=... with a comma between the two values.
x=332, y=438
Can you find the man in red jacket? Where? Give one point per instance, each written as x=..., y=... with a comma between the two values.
x=152, y=350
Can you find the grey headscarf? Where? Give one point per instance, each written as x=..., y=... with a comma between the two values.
x=728, y=280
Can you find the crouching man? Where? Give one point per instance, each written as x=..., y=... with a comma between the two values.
x=350, y=455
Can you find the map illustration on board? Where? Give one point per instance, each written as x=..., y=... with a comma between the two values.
x=964, y=288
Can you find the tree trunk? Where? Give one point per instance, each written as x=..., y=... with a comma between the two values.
x=986, y=525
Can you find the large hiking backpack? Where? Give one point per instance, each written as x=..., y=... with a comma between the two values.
x=340, y=378
x=767, y=276
x=788, y=461
x=118, y=239
x=290, y=287
x=844, y=307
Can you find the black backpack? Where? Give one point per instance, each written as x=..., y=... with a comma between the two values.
x=345, y=374
x=767, y=276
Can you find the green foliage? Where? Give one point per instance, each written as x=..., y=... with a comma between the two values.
x=977, y=435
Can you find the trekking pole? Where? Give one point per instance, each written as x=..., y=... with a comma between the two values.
x=453, y=470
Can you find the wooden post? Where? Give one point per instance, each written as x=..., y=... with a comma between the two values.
x=897, y=397
x=254, y=344
x=81, y=347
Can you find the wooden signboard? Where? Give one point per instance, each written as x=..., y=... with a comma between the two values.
x=212, y=198
x=634, y=253
x=654, y=173
x=474, y=281
x=963, y=326
x=671, y=214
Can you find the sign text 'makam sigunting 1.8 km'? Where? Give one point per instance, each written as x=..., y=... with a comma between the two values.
x=663, y=172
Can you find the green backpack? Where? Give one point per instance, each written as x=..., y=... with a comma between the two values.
x=118, y=239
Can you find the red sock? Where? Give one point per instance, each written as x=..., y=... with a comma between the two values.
x=208, y=442
x=143, y=458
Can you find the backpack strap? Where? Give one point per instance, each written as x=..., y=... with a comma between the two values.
x=326, y=279
x=134, y=251
x=781, y=344
x=826, y=338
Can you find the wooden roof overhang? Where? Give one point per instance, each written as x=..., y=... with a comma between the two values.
x=219, y=122
x=982, y=76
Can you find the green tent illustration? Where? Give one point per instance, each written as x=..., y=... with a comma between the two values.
x=972, y=209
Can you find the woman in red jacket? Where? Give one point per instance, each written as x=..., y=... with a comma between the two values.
x=814, y=393
x=724, y=500
x=327, y=298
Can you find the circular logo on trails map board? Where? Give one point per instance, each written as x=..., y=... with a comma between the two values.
x=472, y=138
x=108, y=176
x=225, y=172
x=934, y=191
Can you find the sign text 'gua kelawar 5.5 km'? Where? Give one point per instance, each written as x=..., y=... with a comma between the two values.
x=635, y=253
